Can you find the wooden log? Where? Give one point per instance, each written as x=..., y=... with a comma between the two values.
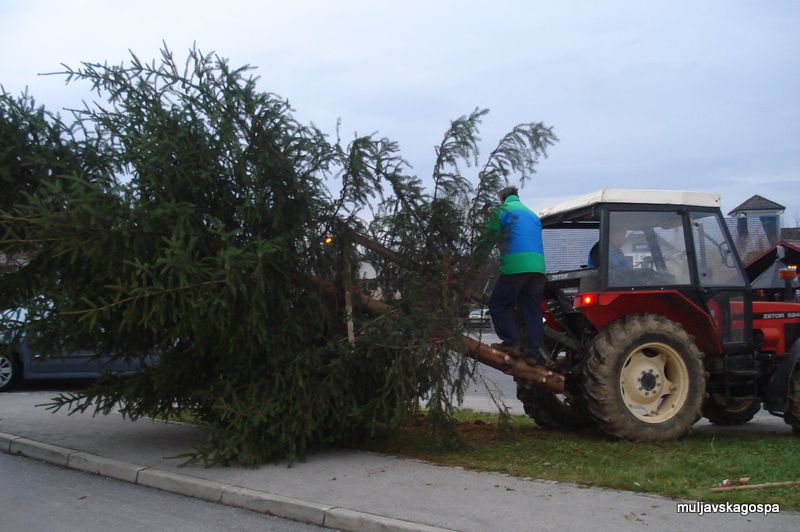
x=757, y=486
x=380, y=249
x=536, y=375
x=348, y=300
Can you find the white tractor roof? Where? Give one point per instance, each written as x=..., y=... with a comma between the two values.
x=632, y=195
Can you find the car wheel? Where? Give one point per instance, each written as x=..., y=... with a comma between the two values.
x=9, y=371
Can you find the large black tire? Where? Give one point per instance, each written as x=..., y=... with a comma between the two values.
x=551, y=411
x=792, y=416
x=644, y=379
x=566, y=410
x=731, y=412
x=9, y=370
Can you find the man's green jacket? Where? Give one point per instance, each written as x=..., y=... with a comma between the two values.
x=520, y=237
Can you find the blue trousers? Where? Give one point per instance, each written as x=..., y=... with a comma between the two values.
x=522, y=291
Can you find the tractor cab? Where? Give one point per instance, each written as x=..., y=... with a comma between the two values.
x=636, y=250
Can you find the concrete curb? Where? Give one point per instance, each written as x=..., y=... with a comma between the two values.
x=5, y=442
x=209, y=490
x=41, y=451
x=106, y=467
x=343, y=519
x=267, y=503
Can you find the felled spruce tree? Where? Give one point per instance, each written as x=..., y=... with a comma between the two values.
x=182, y=221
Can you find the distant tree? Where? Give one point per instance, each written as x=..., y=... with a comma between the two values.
x=184, y=218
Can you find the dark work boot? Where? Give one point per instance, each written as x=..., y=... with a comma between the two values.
x=513, y=350
x=534, y=358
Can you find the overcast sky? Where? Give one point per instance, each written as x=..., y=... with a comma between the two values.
x=679, y=94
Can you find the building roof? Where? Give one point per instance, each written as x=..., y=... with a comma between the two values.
x=770, y=278
x=757, y=203
x=627, y=195
x=759, y=263
x=791, y=234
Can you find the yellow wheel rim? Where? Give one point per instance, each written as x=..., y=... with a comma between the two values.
x=654, y=382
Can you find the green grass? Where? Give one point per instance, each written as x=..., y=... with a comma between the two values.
x=684, y=469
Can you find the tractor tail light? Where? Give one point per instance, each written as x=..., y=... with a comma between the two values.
x=585, y=300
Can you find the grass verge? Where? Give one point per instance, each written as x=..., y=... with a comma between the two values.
x=684, y=469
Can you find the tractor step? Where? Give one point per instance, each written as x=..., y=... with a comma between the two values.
x=745, y=398
x=738, y=372
x=744, y=372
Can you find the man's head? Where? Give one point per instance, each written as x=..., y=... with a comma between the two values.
x=618, y=236
x=506, y=192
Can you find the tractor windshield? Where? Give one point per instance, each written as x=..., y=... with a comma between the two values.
x=646, y=248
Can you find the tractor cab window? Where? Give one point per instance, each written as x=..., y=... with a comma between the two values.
x=646, y=249
x=716, y=262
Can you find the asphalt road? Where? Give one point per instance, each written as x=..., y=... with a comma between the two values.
x=38, y=497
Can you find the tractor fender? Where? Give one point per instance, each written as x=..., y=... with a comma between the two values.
x=776, y=400
x=603, y=308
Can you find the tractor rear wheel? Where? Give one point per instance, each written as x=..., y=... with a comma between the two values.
x=792, y=416
x=721, y=411
x=644, y=379
x=551, y=411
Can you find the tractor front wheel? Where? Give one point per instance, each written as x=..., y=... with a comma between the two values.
x=721, y=411
x=792, y=416
x=644, y=379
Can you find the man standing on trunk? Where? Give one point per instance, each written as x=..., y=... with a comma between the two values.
x=521, y=282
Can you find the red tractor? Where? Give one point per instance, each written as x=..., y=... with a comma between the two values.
x=651, y=319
